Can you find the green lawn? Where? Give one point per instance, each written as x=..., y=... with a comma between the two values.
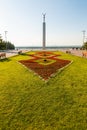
x=29, y=103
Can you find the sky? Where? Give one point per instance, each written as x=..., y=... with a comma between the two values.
x=22, y=19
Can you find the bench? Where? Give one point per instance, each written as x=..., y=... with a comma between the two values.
x=2, y=55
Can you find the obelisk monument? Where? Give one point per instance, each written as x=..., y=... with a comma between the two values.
x=44, y=32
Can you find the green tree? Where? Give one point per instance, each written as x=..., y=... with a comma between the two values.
x=6, y=45
x=9, y=45
x=2, y=46
x=0, y=38
x=84, y=46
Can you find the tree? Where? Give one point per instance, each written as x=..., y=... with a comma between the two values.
x=6, y=45
x=2, y=46
x=84, y=46
x=0, y=38
x=10, y=45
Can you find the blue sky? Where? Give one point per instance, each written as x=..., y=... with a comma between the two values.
x=65, y=20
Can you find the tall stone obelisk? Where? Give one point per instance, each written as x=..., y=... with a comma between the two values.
x=44, y=32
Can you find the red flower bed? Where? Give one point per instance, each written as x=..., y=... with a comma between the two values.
x=45, y=71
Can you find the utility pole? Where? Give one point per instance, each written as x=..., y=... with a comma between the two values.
x=44, y=32
x=6, y=38
x=83, y=36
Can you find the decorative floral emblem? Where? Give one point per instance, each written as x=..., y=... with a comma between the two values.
x=45, y=63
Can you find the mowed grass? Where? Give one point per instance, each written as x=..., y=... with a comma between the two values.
x=29, y=103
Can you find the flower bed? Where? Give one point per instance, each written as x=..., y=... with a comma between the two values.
x=45, y=68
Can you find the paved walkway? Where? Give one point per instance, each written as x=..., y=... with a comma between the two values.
x=11, y=53
x=74, y=52
x=77, y=52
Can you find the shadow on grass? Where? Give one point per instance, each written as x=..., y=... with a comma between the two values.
x=24, y=54
x=5, y=60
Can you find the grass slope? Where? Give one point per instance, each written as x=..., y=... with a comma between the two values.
x=28, y=103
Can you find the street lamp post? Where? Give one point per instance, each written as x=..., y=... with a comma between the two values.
x=83, y=36
x=6, y=38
